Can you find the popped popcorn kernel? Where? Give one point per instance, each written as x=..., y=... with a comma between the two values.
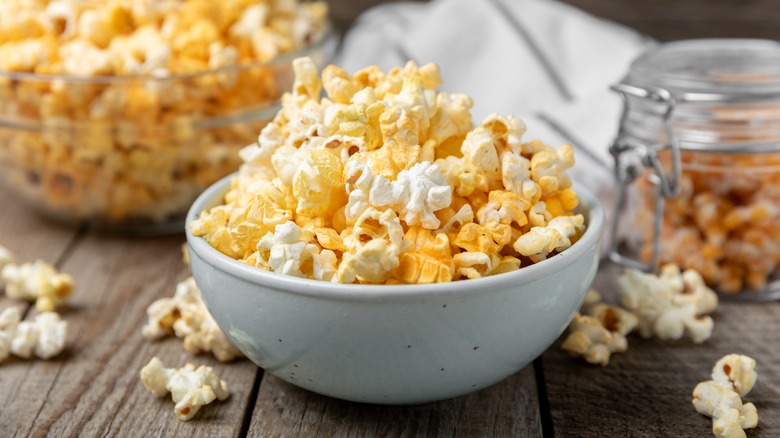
x=540, y=242
x=671, y=305
x=720, y=398
x=387, y=181
x=39, y=282
x=45, y=336
x=186, y=316
x=190, y=388
x=599, y=333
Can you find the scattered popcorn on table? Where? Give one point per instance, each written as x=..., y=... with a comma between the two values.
x=132, y=144
x=186, y=316
x=45, y=336
x=670, y=305
x=190, y=388
x=720, y=398
x=387, y=180
x=39, y=282
x=601, y=332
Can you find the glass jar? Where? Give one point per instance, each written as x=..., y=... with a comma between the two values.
x=699, y=146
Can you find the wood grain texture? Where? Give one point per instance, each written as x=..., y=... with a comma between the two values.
x=668, y=20
x=646, y=391
x=93, y=388
x=507, y=409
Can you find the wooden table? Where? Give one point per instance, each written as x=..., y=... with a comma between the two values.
x=93, y=388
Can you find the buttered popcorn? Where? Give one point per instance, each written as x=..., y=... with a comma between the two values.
x=185, y=315
x=385, y=180
x=166, y=115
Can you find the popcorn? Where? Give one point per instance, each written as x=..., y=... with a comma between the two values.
x=39, y=282
x=670, y=305
x=601, y=332
x=736, y=371
x=539, y=242
x=186, y=316
x=724, y=223
x=719, y=398
x=387, y=181
x=190, y=388
x=590, y=340
x=158, y=130
x=45, y=336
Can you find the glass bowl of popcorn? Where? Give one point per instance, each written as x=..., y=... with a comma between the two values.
x=120, y=113
x=378, y=246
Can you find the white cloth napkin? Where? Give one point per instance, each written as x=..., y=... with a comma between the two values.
x=542, y=60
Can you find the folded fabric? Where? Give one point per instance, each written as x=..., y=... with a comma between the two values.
x=544, y=61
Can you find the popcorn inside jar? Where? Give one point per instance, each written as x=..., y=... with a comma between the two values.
x=699, y=142
x=123, y=111
x=387, y=181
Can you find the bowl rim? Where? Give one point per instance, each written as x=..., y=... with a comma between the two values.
x=590, y=239
x=326, y=42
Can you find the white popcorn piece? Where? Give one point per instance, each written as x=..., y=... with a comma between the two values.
x=516, y=176
x=418, y=193
x=719, y=399
x=671, y=305
x=736, y=371
x=9, y=320
x=186, y=316
x=45, y=336
x=539, y=242
x=284, y=251
x=39, y=282
x=190, y=388
x=676, y=321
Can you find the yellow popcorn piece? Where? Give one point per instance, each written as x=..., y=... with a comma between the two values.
x=474, y=264
x=540, y=242
x=39, y=282
x=548, y=168
x=317, y=184
x=488, y=238
x=505, y=208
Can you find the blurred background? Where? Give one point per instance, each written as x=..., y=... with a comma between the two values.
x=663, y=20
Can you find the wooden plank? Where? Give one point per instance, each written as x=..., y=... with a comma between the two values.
x=507, y=409
x=93, y=388
x=29, y=235
x=646, y=391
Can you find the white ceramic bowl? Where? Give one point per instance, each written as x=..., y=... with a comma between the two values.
x=402, y=344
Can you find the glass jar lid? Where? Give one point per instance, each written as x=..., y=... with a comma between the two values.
x=743, y=68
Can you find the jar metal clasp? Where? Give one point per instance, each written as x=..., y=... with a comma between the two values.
x=626, y=146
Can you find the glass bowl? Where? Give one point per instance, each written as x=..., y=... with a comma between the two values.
x=131, y=153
